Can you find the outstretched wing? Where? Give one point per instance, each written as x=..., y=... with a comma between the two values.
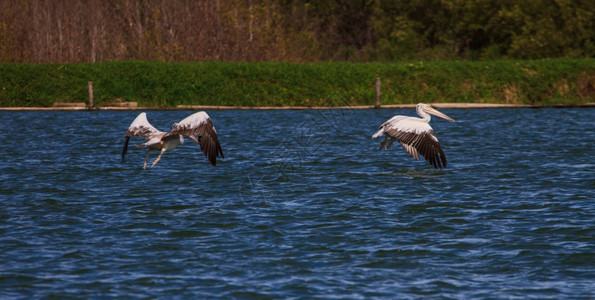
x=140, y=127
x=200, y=124
x=417, y=137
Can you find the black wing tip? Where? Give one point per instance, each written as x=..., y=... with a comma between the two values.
x=439, y=162
x=211, y=149
x=125, y=149
x=434, y=156
x=213, y=155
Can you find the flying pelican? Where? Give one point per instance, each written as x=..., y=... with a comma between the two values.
x=415, y=135
x=196, y=124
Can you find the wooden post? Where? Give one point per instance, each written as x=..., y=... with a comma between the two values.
x=91, y=105
x=377, y=105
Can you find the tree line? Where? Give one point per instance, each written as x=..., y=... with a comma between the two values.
x=68, y=31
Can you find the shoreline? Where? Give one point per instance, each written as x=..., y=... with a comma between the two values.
x=222, y=107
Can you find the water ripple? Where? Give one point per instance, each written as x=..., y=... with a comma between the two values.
x=303, y=206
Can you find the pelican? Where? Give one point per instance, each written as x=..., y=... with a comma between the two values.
x=196, y=124
x=415, y=135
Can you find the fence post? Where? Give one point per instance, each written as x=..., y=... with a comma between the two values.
x=377, y=105
x=90, y=105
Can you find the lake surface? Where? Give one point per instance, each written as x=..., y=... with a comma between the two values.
x=302, y=206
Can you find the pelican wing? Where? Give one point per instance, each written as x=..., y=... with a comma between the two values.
x=411, y=150
x=200, y=124
x=417, y=137
x=140, y=127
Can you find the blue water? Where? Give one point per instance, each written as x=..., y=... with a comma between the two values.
x=303, y=206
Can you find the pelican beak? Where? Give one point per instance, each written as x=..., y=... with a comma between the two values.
x=436, y=113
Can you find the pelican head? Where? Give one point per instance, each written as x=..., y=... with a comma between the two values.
x=426, y=108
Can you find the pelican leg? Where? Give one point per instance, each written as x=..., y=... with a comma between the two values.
x=158, y=158
x=383, y=143
x=390, y=142
x=147, y=158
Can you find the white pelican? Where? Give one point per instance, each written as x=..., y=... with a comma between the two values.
x=415, y=135
x=196, y=124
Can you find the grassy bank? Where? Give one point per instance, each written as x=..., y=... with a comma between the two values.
x=157, y=84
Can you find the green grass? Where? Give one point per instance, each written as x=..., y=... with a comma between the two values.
x=162, y=85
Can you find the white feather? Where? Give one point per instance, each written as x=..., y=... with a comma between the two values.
x=194, y=120
x=410, y=124
x=140, y=120
x=378, y=133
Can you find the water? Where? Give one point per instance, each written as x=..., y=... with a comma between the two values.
x=303, y=206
